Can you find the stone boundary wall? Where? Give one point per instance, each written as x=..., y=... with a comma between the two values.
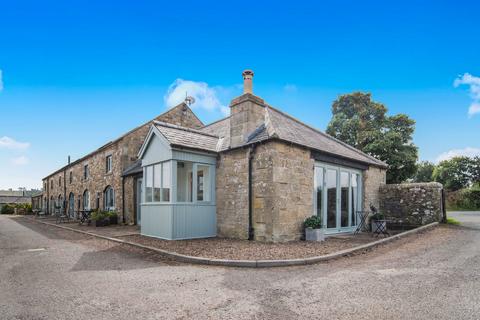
x=412, y=203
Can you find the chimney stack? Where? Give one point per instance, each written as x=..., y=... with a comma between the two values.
x=247, y=113
x=247, y=81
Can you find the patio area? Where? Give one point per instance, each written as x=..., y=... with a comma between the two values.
x=113, y=231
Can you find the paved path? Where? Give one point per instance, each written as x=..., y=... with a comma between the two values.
x=47, y=273
x=467, y=218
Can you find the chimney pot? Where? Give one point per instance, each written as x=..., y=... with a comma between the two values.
x=247, y=81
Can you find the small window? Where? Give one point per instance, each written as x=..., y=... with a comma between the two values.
x=203, y=183
x=51, y=184
x=85, y=172
x=60, y=181
x=70, y=177
x=109, y=199
x=108, y=164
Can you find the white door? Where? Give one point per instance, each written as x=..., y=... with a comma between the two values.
x=337, y=197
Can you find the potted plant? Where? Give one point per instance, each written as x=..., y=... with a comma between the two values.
x=113, y=217
x=378, y=222
x=100, y=218
x=313, y=229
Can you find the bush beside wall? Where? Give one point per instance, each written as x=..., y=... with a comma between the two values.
x=465, y=199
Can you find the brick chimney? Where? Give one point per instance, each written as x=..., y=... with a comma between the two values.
x=247, y=112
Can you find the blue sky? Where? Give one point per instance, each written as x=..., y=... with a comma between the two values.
x=76, y=74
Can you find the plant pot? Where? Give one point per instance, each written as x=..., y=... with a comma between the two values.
x=113, y=219
x=314, y=234
x=102, y=222
x=379, y=225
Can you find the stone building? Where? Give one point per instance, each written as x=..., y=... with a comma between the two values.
x=107, y=177
x=256, y=174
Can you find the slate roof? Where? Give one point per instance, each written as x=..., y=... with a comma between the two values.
x=134, y=168
x=186, y=137
x=14, y=199
x=278, y=125
x=290, y=129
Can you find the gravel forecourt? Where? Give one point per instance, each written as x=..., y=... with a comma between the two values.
x=49, y=273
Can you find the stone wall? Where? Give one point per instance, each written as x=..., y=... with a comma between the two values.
x=282, y=191
x=373, y=179
x=124, y=153
x=232, y=194
x=412, y=203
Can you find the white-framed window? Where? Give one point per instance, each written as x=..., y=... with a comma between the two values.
x=108, y=164
x=194, y=182
x=203, y=183
x=337, y=196
x=184, y=181
x=158, y=181
x=109, y=199
x=86, y=200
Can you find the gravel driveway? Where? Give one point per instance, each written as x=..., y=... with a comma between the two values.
x=72, y=276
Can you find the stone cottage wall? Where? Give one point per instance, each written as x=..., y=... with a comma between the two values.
x=412, y=203
x=232, y=194
x=373, y=179
x=282, y=191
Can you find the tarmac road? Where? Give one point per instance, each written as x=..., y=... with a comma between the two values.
x=48, y=273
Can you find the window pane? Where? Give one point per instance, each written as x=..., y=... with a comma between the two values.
x=157, y=174
x=203, y=183
x=331, y=183
x=184, y=182
x=344, y=182
x=354, y=199
x=166, y=181
x=148, y=183
x=319, y=191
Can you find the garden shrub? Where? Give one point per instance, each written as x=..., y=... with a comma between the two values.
x=7, y=209
x=465, y=199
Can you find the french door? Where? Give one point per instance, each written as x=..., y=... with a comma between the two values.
x=337, y=197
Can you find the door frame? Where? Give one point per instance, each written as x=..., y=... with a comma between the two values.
x=351, y=218
x=138, y=200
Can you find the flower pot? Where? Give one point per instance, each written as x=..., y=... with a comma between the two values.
x=378, y=225
x=113, y=219
x=102, y=222
x=314, y=234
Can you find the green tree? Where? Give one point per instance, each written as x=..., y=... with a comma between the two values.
x=365, y=125
x=454, y=174
x=424, y=172
x=475, y=170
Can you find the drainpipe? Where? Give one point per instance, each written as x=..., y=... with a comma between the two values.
x=65, y=187
x=123, y=199
x=251, y=231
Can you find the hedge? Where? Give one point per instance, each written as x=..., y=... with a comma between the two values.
x=466, y=199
